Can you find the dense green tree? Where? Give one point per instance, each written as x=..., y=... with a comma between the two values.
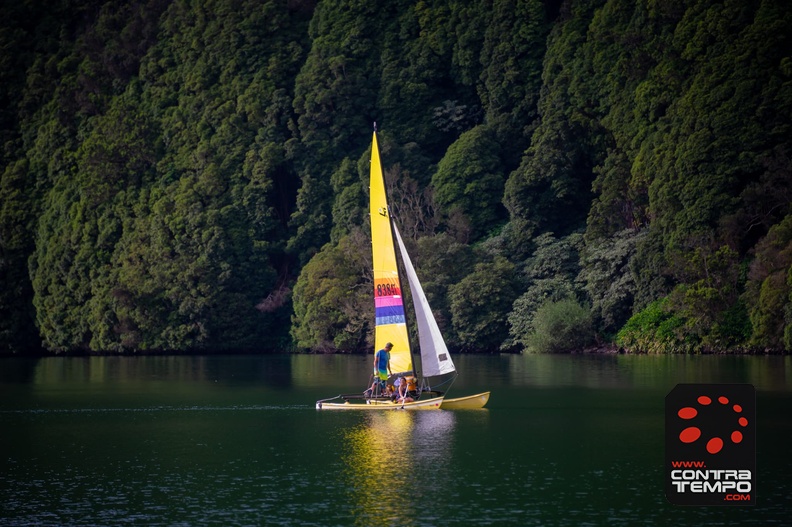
x=162, y=234
x=220, y=203
x=51, y=84
x=609, y=280
x=480, y=303
x=542, y=291
x=551, y=188
x=653, y=89
x=332, y=298
x=17, y=316
x=422, y=99
x=169, y=168
x=511, y=77
x=701, y=315
x=469, y=182
x=334, y=99
x=442, y=262
x=708, y=300
x=73, y=266
x=550, y=274
x=701, y=141
x=349, y=204
x=650, y=270
x=83, y=208
x=769, y=291
x=620, y=84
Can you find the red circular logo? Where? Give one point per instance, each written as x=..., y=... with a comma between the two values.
x=693, y=433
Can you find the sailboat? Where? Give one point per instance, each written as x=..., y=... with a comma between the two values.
x=391, y=323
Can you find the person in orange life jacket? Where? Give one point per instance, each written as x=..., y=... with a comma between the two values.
x=401, y=391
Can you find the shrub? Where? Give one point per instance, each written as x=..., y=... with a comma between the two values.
x=655, y=329
x=561, y=326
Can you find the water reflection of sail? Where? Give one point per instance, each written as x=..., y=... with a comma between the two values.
x=384, y=453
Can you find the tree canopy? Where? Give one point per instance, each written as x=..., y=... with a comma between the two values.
x=192, y=175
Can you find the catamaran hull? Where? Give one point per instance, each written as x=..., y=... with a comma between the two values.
x=429, y=404
x=471, y=402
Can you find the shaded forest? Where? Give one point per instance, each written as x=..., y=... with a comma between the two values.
x=192, y=175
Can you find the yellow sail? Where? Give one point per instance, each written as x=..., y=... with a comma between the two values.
x=388, y=300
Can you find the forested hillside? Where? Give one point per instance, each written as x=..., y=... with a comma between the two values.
x=193, y=175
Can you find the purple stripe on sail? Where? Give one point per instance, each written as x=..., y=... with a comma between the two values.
x=390, y=311
x=389, y=315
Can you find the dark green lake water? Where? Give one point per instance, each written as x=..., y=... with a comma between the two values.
x=566, y=440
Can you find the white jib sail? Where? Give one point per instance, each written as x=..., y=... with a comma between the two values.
x=435, y=359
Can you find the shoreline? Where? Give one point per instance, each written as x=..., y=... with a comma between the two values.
x=599, y=349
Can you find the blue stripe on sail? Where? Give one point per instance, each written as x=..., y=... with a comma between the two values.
x=389, y=311
x=383, y=321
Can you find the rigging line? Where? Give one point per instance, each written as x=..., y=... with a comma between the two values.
x=448, y=381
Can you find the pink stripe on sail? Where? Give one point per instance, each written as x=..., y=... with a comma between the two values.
x=387, y=301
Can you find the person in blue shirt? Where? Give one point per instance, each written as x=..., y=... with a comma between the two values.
x=382, y=367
